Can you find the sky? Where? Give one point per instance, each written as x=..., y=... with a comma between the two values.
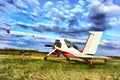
x=59, y=18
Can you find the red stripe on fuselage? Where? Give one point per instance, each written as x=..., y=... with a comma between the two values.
x=65, y=53
x=68, y=54
x=81, y=51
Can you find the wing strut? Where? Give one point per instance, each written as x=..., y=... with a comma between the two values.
x=45, y=58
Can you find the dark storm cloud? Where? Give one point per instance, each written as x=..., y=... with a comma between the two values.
x=98, y=18
x=20, y=5
x=99, y=22
x=22, y=25
x=2, y=4
x=10, y=1
x=72, y=21
x=98, y=15
x=42, y=27
x=71, y=31
x=37, y=27
x=14, y=5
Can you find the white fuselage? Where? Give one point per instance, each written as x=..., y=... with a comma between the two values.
x=67, y=47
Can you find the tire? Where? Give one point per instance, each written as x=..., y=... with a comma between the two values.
x=45, y=58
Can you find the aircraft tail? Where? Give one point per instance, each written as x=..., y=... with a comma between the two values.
x=92, y=42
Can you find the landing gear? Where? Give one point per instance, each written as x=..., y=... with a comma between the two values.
x=105, y=60
x=45, y=58
x=90, y=62
x=67, y=58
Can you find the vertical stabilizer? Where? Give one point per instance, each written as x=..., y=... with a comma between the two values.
x=92, y=42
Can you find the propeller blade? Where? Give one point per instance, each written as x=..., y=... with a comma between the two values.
x=47, y=45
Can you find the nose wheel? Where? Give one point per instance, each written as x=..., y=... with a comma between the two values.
x=45, y=58
x=105, y=60
x=67, y=58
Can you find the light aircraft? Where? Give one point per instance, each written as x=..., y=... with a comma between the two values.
x=67, y=48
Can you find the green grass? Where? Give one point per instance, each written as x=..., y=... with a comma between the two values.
x=15, y=68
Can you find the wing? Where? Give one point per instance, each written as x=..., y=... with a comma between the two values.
x=46, y=37
x=42, y=36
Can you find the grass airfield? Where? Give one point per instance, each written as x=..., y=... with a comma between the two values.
x=15, y=67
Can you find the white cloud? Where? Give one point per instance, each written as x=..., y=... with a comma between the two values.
x=71, y=15
x=99, y=8
x=78, y=9
x=95, y=7
x=115, y=24
x=114, y=9
x=60, y=4
x=91, y=1
x=20, y=4
x=33, y=3
x=37, y=11
x=24, y=12
x=85, y=16
x=109, y=2
x=67, y=6
x=113, y=19
x=48, y=5
x=81, y=2
x=56, y=12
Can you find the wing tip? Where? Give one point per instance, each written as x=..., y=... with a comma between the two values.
x=8, y=31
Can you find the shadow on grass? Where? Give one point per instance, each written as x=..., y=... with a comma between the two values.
x=74, y=62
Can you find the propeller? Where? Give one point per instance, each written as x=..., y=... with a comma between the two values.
x=47, y=45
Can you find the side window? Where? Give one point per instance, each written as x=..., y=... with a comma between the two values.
x=76, y=47
x=58, y=43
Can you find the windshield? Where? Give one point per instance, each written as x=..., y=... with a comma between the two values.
x=58, y=43
x=70, y=44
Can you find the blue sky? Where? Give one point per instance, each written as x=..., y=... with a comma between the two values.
x=59, y=18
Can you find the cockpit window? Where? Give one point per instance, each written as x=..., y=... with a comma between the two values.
x=58, y=43
x=68, y=43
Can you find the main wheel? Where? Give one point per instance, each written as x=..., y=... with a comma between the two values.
x=45, y=58
x=105, y=60
x=67, y=58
